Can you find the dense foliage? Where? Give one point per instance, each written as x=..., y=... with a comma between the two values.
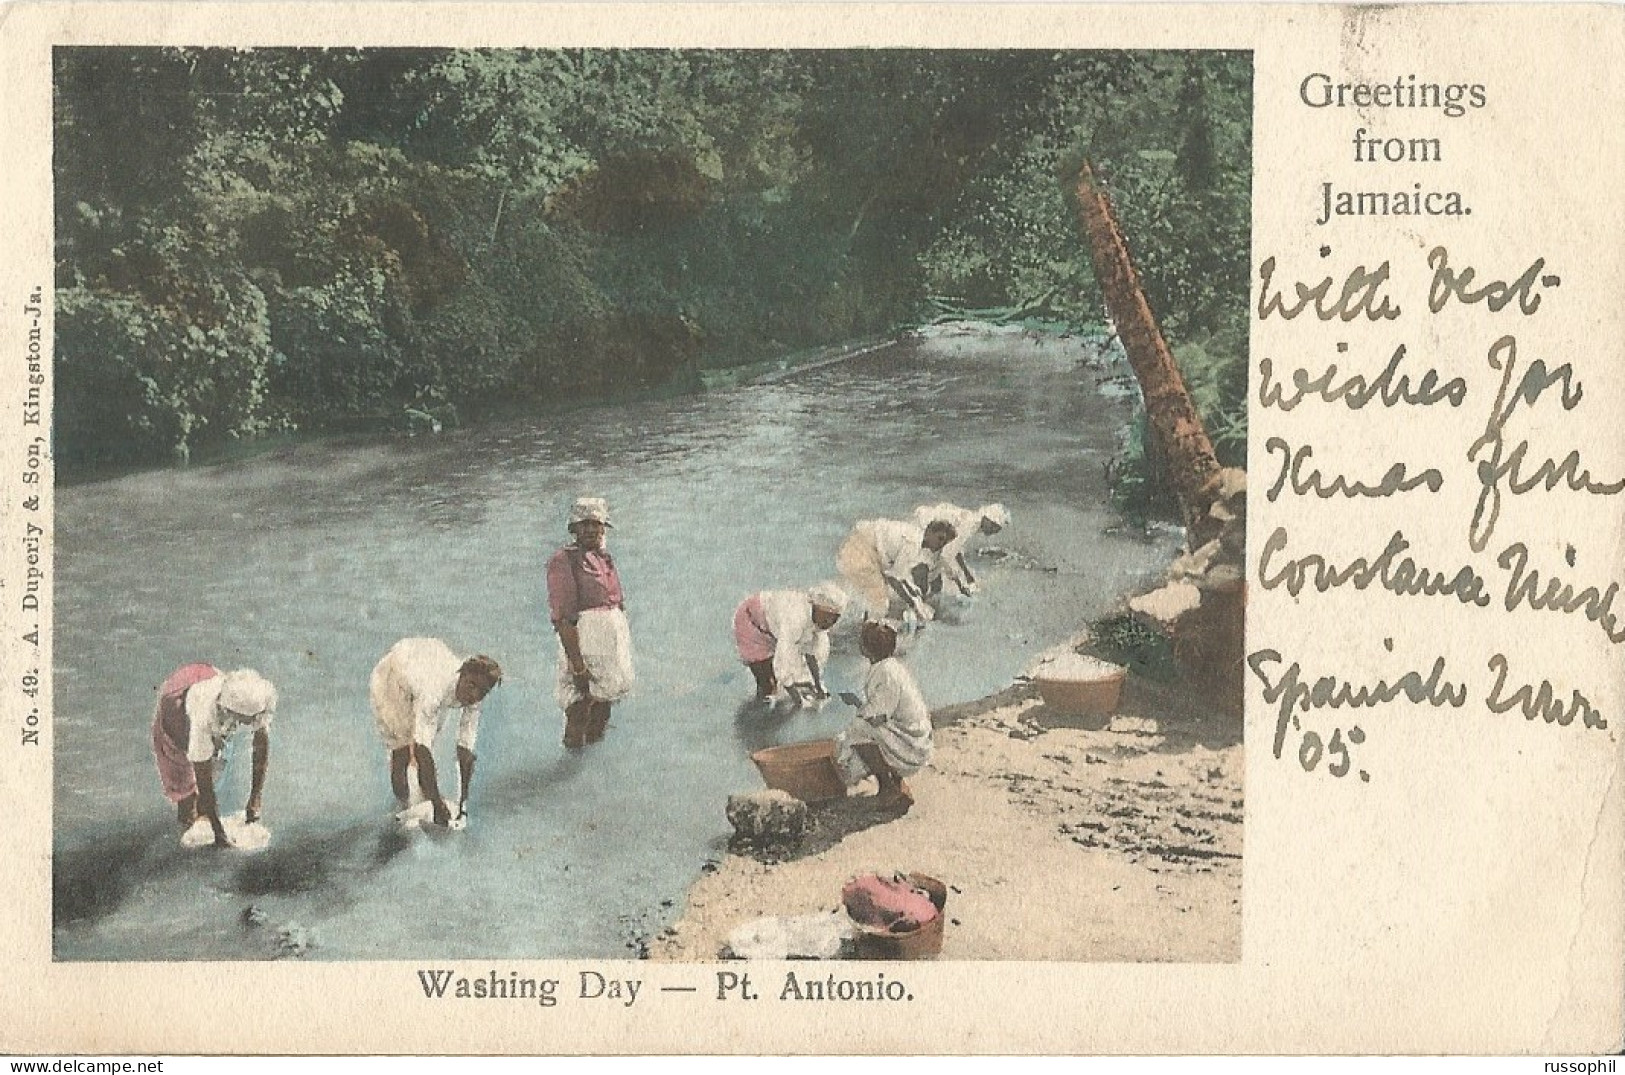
x=252, y=240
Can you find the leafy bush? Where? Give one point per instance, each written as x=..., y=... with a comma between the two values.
x=142, y=381
x=1129, y=641
x=342, y=359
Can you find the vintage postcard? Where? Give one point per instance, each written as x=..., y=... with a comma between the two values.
x=812, y=528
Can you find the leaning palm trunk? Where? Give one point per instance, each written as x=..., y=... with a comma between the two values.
x=1180, y=437
x=1201, y=605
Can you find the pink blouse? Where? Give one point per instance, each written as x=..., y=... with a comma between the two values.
x=578, y=581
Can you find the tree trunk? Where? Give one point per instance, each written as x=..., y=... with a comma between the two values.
x=497, y=222
x=1180, y=437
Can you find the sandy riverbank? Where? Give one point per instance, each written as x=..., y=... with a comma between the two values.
x=1058, y=840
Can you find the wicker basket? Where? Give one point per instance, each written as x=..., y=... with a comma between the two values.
x=804, y=770
x=923, y=943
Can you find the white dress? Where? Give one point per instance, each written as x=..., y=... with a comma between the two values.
x=965, y=523
x=795, y=637
x=894, y=716
x=880, y=549
x=412, y=688
x=605, y=637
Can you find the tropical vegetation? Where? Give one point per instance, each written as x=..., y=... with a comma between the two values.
x=252, y=241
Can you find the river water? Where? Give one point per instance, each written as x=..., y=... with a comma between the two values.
x=308, y=563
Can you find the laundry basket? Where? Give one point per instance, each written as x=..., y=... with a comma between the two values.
x=923, y=943
x=804, y=770
x=1078, y=685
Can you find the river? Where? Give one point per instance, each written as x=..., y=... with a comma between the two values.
x=308, y=562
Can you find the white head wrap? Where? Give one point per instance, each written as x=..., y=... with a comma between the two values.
x=997, y=515
x=828, y=595
x=247, y=693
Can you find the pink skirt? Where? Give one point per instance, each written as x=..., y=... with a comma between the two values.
x=170, y=731
x=750, y=632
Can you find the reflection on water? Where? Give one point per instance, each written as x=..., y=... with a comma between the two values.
x=309, y=563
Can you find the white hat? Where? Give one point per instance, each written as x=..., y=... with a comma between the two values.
x=997, y=515
x=247, y=693
x=828, y=595
x=595, y=508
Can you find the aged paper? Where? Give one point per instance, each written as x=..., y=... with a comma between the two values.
x=1435, y=540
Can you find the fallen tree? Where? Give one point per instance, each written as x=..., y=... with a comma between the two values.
x=1201, y=607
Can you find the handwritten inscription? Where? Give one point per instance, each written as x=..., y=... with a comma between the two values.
x=1526, y=588
x=1499, y=467
x=1449, y=285
x=1361, y=292
x=1391, y=388
x=1517, y=453
x=1539, y=703
x=1302, y=479
x=1390, y=570
x=1296, y=693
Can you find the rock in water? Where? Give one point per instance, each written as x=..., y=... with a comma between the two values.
x=767, y=817
x=293, y=941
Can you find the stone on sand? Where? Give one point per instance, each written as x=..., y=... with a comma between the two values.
x=771, y=816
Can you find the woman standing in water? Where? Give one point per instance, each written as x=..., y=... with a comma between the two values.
x=589, y=613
